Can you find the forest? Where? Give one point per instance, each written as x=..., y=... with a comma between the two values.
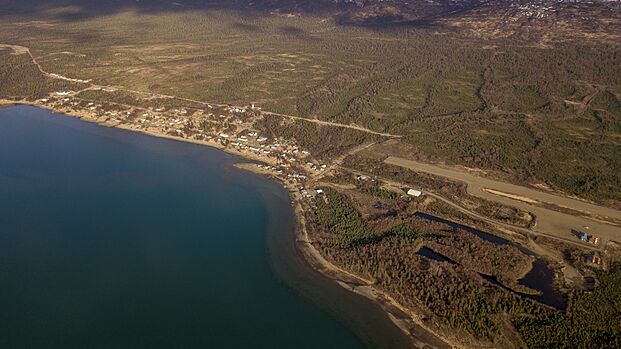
x=453, y=292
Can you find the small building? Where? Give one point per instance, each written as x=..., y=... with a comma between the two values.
x=415, y=193
x=593, y=239
x=590, y=238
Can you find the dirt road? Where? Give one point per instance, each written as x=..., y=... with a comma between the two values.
x=333, y=124
x=549, y=222
x=21, y=50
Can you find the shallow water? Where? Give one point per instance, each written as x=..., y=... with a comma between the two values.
x=113, y=239
x=541, y=278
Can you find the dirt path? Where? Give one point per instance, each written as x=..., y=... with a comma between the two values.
x=336, y=163
x=334, y=124
x=291, y=117
x=549, y=222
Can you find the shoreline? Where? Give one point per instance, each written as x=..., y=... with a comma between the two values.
x=7, y=104
x=405, y=319
x=402, y=317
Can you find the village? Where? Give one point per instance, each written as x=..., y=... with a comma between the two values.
x=229, y=128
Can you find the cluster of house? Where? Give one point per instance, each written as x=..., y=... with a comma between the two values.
x=533, y=10
x=258, y=144
x=310, y=194
x=215, y=124
x=68, y=101
x=286, y=153
x=232, y=109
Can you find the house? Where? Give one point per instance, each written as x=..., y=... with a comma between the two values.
x=593, y=239
x=415, y=193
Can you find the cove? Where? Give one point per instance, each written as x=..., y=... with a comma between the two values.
x=115, y=239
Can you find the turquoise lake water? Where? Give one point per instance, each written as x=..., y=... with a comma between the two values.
x=114, y=239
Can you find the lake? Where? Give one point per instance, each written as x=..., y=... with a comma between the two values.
x=115, y=239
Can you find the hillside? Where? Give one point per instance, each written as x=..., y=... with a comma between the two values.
x=543, y=20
